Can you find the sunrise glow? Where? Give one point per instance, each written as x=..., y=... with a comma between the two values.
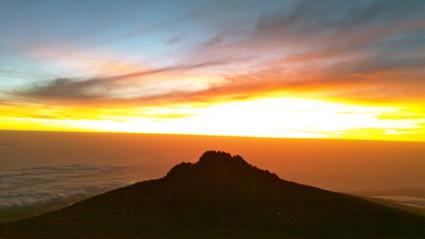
x=283, y=69
x=262, y=117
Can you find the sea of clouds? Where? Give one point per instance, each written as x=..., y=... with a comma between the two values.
x=405, y=200
x=31, y=191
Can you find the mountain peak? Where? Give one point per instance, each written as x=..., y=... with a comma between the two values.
x=220, y=157
x=218, y=165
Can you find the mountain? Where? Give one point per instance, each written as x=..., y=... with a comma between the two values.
x=220, y=196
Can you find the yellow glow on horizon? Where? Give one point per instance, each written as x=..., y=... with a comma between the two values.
x=261, y=117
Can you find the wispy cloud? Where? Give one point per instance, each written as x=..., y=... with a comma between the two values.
x=365, y=50
x=327, y=44
x=101, y=87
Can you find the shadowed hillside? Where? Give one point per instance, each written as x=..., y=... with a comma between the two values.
x=220, y=196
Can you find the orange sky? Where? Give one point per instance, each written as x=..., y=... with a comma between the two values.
x=292, y=69
x=339, y=165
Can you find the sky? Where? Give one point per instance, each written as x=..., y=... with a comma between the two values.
x=286, y=69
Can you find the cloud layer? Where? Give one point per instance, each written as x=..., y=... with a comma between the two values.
x=29, y=191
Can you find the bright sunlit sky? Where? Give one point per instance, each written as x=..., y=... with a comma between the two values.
x=321, y=69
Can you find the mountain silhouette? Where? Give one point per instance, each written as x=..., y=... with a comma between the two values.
x=220, y=196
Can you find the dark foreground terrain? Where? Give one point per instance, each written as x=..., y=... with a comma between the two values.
x=220, y=196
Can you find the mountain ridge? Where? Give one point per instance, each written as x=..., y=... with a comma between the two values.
x=220, y=196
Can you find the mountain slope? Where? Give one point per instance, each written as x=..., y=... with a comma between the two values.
x=220, y=196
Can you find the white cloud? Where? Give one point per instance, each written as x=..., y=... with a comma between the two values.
x=26, y=191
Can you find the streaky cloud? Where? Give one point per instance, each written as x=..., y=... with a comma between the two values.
x=98, y=88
